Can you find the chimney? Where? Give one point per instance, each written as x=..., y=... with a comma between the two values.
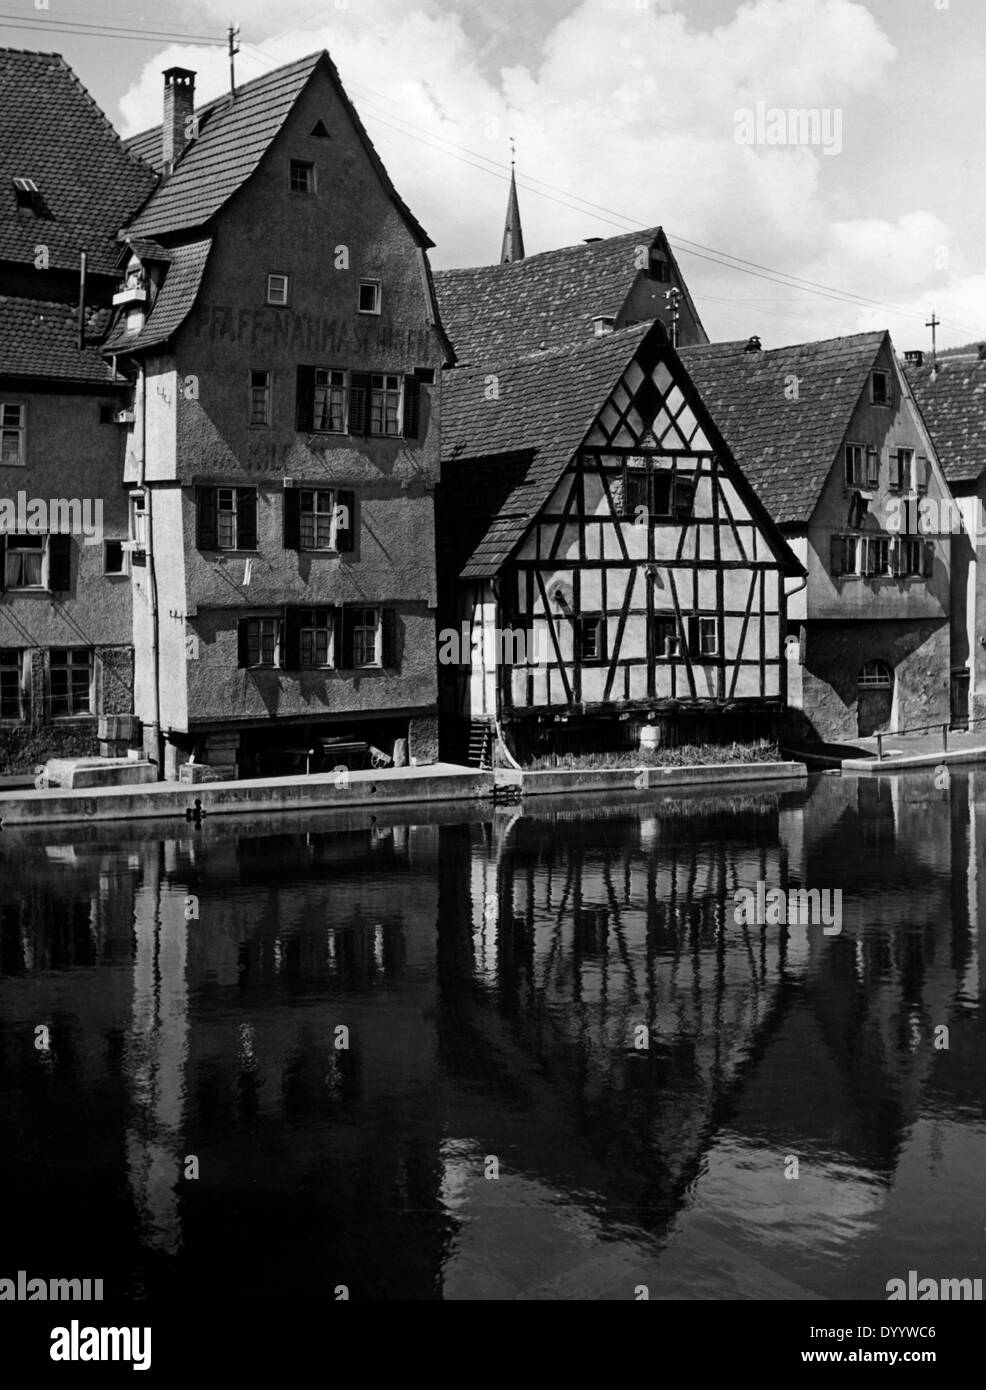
x=914, y=357
x=603, y=324
x=179, y=108
x=982, y=352
x=753, y=344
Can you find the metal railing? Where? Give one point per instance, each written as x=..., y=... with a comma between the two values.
x=927, y=728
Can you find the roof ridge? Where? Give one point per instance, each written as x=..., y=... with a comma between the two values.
x=214, y=102
x=874, y=333
x=551, y=251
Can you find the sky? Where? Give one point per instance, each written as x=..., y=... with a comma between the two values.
x=631, y=113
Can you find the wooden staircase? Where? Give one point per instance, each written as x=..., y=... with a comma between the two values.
x=480, y=752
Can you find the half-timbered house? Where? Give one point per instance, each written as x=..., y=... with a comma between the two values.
x=606, y=566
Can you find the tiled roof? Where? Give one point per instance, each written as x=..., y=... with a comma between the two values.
x=233, y=137
x=144, y=249
x=40, y=338
x=546, y=404
x=173, y=304
x=952, y=402
x=492, y=312
x=785, y=447
x=52, y=131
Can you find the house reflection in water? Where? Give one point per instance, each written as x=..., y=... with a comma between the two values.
x=526, y=1055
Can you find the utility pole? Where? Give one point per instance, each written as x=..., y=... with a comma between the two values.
x=933, y=323
x=234, y=48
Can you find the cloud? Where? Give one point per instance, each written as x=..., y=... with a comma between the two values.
x=624, y=114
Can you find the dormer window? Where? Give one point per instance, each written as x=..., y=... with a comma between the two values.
x=134, y=288
x=29, y=196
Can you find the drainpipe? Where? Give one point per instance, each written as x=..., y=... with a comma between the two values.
x=151, y=579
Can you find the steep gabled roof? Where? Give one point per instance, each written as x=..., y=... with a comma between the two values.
x=786, y=447
x=546, y=405
x=173, y=304
x=40, y=338
x=494, y=312
x=952, y=402
x=234, y=135
x=53, y=132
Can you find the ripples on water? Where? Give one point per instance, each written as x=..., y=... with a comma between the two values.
x=408, y=1058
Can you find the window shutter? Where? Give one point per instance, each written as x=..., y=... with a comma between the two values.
x=207, y=536
x=692, y=634
x=929, y=559
x=896, y=556
x=412, y=407
x=921, y=473
x=684, y=494
x=388, y=639
x=3, y=563
x=838, y=557
x=345, y=629
x=246, y=518
x=304, y=409
x=292, y=638
x=634, y=492
x=872, y=468
x=359, y=402
x=292, y=519
x=243, y=653
x=59, y=564
x=345, y=533
x=893, y=481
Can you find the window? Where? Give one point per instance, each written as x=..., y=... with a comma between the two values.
x=337, y=401
x=114, y=558
x=876, y=555
x=901, y=470
x=260, y=383
x=880, y=391
x=278, y=288
x=319, y=519
x=71, y=681
x=227, y=518
x=660, y=493
x=910, y=557
x=708, y=636
x=920, y=475
x=667, y=638
x=876, y=675
x=13, y=684
x=316, y=629
x=329, y=404
x=25, y=564
x=138, y=519
x=659, y=269
x=385, y=403
x=862, y=555
x=369, y=296
x=13, y=434
x=107, y=413
x=365, y=627
x=855, y=465
x=872, y=468
x=590, y=637
x=301, y=177
x=260, y=642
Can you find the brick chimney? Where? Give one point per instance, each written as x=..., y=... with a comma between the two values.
x=179, y=106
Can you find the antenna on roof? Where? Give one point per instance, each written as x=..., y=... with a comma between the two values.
x=234, y=48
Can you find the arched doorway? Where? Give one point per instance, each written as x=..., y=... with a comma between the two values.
x=874, y=706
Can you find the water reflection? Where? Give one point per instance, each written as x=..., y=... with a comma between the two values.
x=500, y=1055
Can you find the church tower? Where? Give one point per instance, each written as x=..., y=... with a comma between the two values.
x=513, y=235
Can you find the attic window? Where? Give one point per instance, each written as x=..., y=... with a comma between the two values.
x=302, y=176
x=319, y=131
x=369, y=296
x=658, y=269
x=880, y=388
x=278, y=288
x=28, y=195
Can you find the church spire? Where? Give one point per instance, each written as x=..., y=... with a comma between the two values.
x=513, y=236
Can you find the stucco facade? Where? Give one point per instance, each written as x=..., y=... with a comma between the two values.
x=193, y=433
